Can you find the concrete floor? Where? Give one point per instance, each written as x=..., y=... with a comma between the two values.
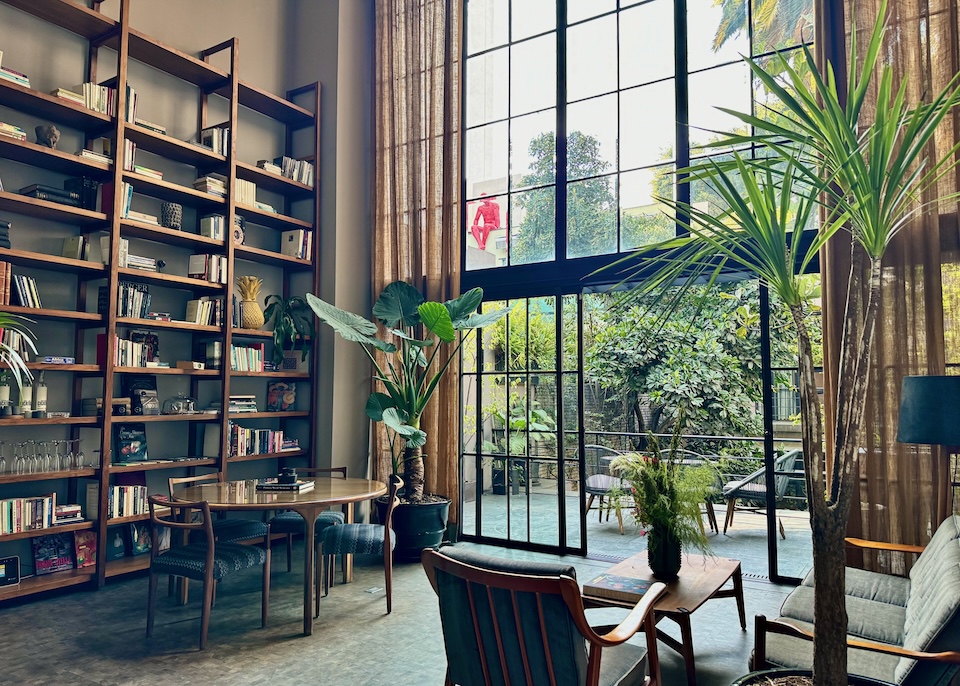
x=86, y=638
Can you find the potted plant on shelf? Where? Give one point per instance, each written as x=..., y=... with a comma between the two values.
x=870, y=173
x=292, y=328
x=417, y=331
x=666, y=499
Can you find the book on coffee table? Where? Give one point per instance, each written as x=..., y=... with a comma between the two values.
x=614, y=587
x=275, y=486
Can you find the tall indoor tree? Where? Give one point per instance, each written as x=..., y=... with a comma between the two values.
x=871, y=172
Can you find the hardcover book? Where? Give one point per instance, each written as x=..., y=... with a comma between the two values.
x=116, y=546
x=281, y=396
x=52, y=553
x=614, y=587
x=130, y=442
x=85, y=548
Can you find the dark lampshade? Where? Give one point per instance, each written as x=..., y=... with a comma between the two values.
x=930, y=410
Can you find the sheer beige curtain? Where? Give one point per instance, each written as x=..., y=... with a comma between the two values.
x=904, y=490
x=417, y=190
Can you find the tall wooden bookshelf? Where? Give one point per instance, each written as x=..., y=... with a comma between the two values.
x=299, y=114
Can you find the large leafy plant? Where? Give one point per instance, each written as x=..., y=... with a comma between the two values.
x=416, y=331
x=870, y=169
x=292, y=324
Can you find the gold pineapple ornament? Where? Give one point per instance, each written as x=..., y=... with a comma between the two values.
x=251, y=316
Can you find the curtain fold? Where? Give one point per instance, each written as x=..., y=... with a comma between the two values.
x=417, y=193
x=903, y=491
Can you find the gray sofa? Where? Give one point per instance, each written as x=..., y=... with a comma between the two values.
x=911, y=624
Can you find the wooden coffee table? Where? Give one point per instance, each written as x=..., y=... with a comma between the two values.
x=701, y=579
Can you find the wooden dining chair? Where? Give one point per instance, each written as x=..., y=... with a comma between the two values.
x=204, y=558
x=360, y=539
x=291, y=523
x=226, y=529
x=514, y=622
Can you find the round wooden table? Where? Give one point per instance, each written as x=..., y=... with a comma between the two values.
x=327, y=492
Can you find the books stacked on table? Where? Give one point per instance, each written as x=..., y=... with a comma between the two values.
x=69, y=96
x=4, y=234
x=216, y=138
x=12, y=131
x=246, y=192
x=300, y=171
x=215, y=184
x=156, y=128
x=13, y=76
x=26, y=289
x=274, y=485
x=52, y=194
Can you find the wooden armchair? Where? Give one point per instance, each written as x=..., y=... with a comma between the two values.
x=523, y=623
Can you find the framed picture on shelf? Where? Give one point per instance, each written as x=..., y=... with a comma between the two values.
x=281, y=396
x=139, y=538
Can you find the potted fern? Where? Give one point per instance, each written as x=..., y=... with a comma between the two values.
x=870, y=172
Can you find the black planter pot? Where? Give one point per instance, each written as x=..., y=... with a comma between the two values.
x=663, y=554
x=755, y=677
x=417, y=527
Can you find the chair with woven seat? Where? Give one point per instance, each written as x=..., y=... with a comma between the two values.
x=360, y=539
x=291, y=523
x=207, y=560
x=514, y=622
x=753, y=487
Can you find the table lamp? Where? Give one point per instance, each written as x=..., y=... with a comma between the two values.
x=930, y=410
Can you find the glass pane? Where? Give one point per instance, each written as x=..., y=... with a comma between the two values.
x=470, y=489
x=571, y=420
x=648, y=124
x=492, y=357
x=592, y=137
x=532, y=228
x=592, y=217
x=542, y=320
x=592, y=58
x=533, y=75
x=788, y=25
x=702, y=193
x=486, y=160
x=727, y=87
x=487, y=24
x=646, y=43
x=767, y=106
x=531, y=17
x=470, y=391
x=516, y=340
x=533, y=150
x=544, y=503
x=643, y=220
x=569, y=333
x=716, y=32
x=486, y=237
x=486, y=90
x=578, y=10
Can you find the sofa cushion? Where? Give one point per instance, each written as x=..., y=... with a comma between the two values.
x=867, y=619
x=883, y=588
x=786, y=651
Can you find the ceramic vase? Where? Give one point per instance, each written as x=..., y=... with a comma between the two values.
x=171, y=215
x=251, y=316
x=663, y=554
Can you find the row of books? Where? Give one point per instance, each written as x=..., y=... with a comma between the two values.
x=144, y=264
x=156, y=128
x=25, y=288
x=212, y=268
x=292, y=168
x=246, y=193
x=4, y=234
x=216, y=138
x=297, y=243
x=133, y=300
x=205, y=311
x=58, y=552
x=27, y=514
x=214, y=184
x=52, y=194
x=99, y=98
x=212, y=226
x=8, y=74
x=122, y=501
x=6, y=282
x=247, y=358
x=129, y=155
x=122, y=255
x=12, y=131
x=245, y=441
x=137, y=351
x=242, y=404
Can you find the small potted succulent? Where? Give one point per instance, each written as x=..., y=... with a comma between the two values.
x=292, y=328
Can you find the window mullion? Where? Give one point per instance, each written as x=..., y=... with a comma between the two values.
x=560, y=197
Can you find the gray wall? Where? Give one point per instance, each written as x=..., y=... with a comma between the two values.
x=283, y=44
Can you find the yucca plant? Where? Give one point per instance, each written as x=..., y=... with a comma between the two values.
x=872, y=172
x=12, y=358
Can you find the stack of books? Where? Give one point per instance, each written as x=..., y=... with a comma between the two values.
x=268, y=166
x=216, y=138
x=12, y=131
x=69, y=96
x=51, y=194
x=212, y=225
x=297, y=243
x=239, y=404
x=147, y=171
x=265, y=207
x=298, y=170
x=156, y=128
x=14, y=77
x=4, y=234
x=215, y=184
x=246, y=193
x=128, y=353
x=244, y=358
x=274, y=485
x=26, y=290
x=96, y=97
x=67, y=514
x=204, y=311
x=212, y=268
x=144, y=264
x=93, y=155
x=143, y=217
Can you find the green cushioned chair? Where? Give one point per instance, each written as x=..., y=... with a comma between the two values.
x=510, y=622
x=208, y=560
x=291, y=523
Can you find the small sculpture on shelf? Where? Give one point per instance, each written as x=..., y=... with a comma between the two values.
x=48, y=135
x=171, y=215
x=251, y=316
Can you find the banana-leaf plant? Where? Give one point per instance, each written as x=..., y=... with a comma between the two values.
x=870, y=169
x=11, y=357
x=417, y=330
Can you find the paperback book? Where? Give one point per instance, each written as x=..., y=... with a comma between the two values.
x=52, y=553
x=614, y=587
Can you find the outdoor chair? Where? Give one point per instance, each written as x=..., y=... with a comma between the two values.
x=359, y=539
x=513, y=622
x=754, y=486
x=206, y=559
x=601, y=483
x=289, y=522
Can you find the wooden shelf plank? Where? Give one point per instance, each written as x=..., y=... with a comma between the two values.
x=63, y=112
x=63, y=528
x=173, y=148
x=278, y=374
x=77, y=368
x=114, y=521
x=47, y=582
x=150, y=466
x=129, y=564
x=53, y=263
x=272, y=219
x=269, y=415
x=251, y=333
x=54, y=160
x=46, y=476
x=52, y=211
x=161, y=234
x=274, y=182
x=47, y=313
x=150, y=418
x=270, y=105
x=267, y=456
x=71, y=16
x=157, y=324
x=173, y=192
x=166, y=371
x=49, y=421
x=261, y=256
x=169, y=280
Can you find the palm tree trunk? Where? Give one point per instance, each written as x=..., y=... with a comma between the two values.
x=413, y=475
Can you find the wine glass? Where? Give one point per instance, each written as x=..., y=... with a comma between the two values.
x=43, y=456
x=20, y=457
x=3, y=460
